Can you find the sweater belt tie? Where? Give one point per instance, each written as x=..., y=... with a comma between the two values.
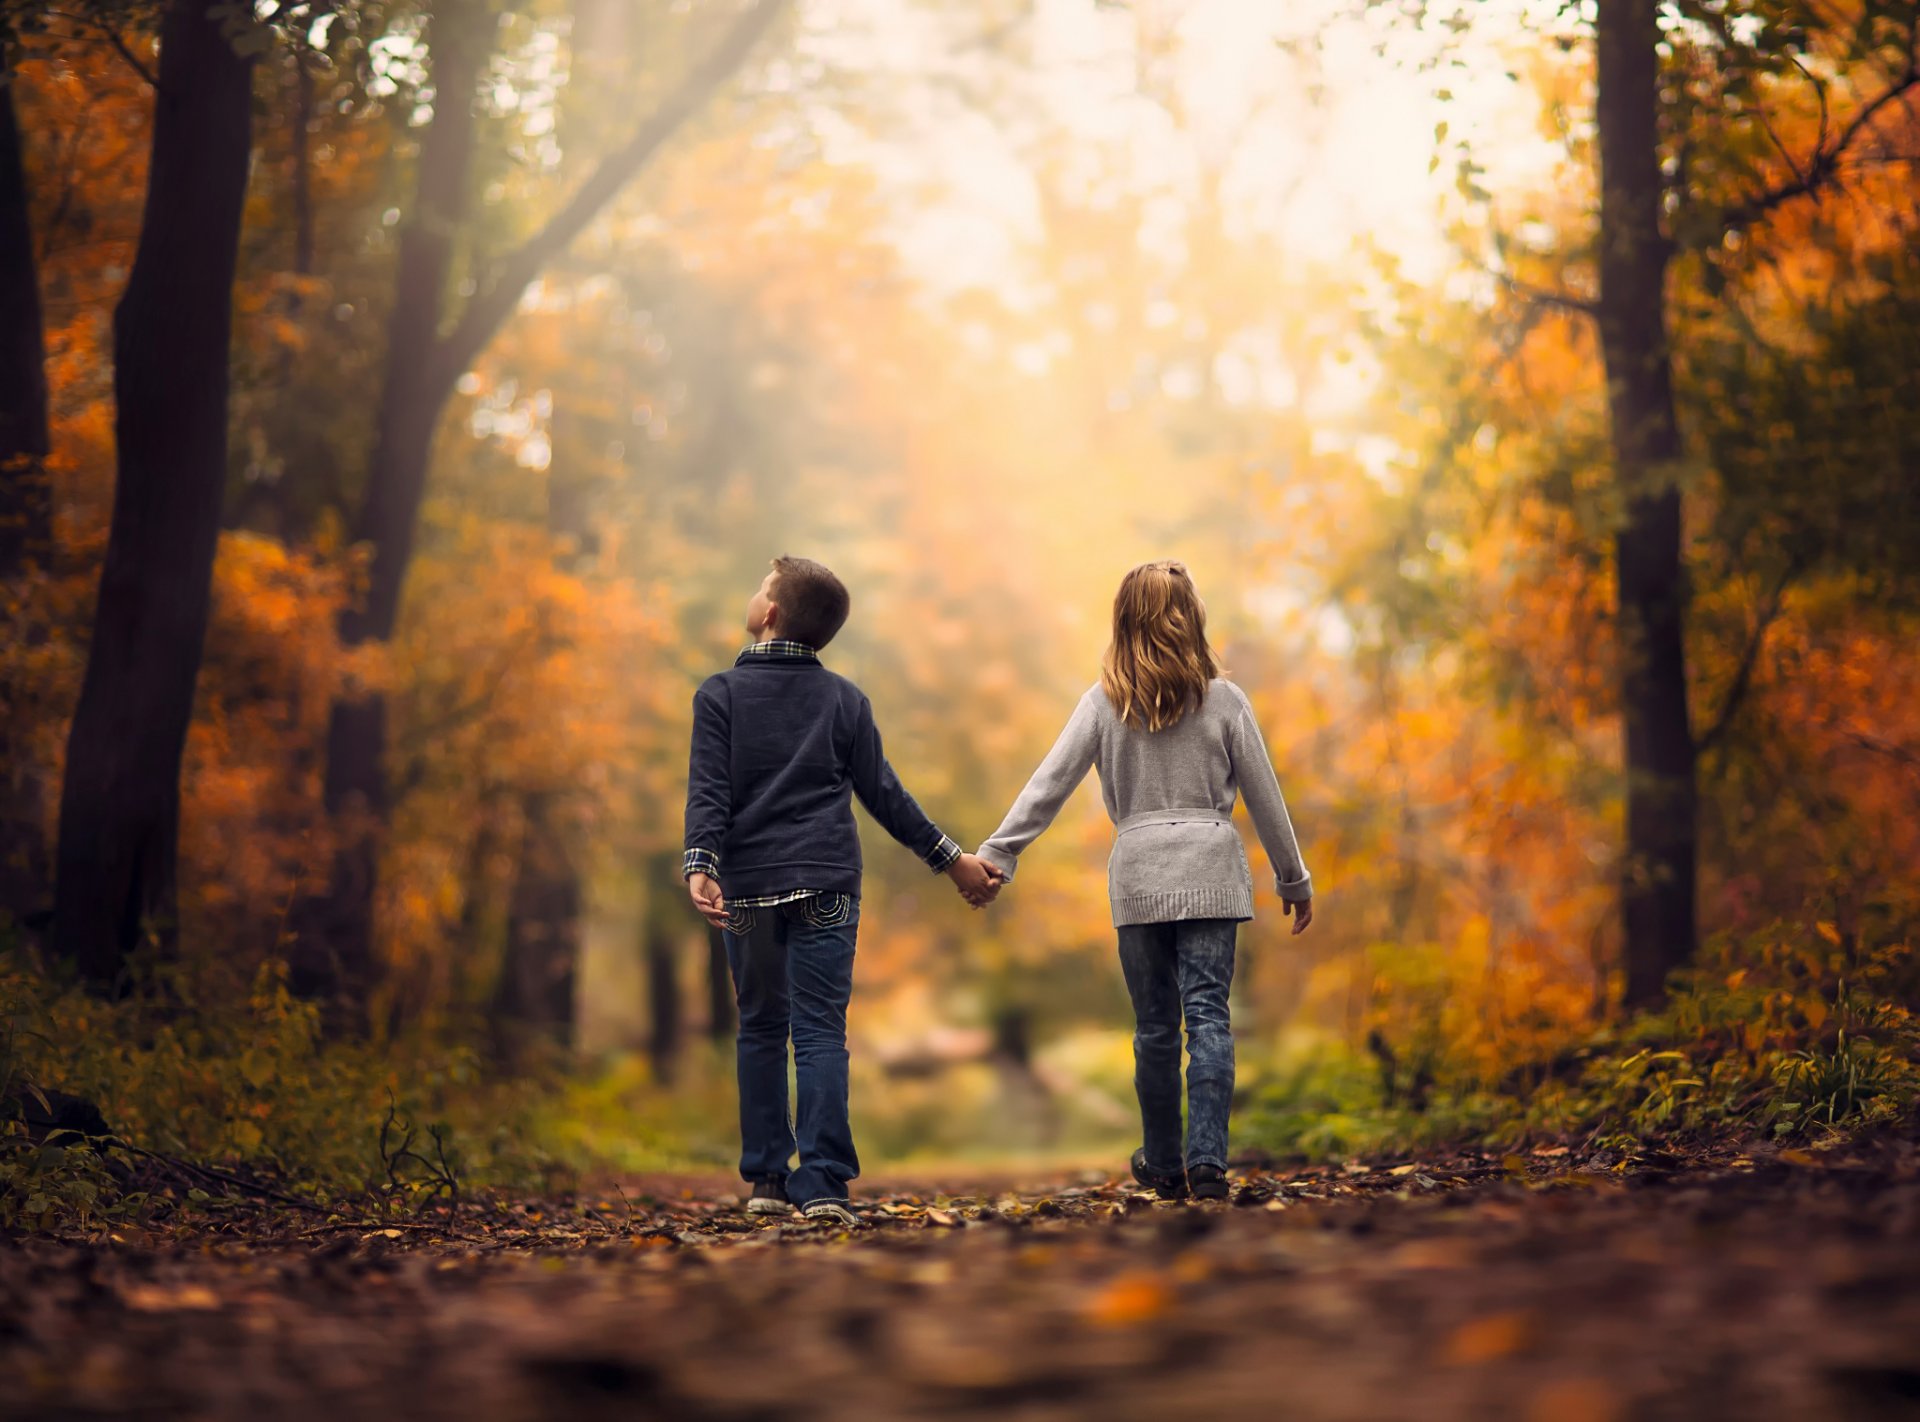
x=1171, y=817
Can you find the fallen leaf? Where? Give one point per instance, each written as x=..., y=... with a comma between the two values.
x=1192, y=1268
x=1130, y=1300
x=1574, y=1400
x=157, y=1298
x=1498, y=1335
x=1432, y=1254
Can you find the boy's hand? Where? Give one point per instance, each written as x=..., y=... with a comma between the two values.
x=978, y=881
x=708, y=899
x=1302, y=913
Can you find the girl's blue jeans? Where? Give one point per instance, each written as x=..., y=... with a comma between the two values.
x=792, y=968
x=1176, y=970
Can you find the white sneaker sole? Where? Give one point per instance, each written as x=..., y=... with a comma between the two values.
x=769, y=1207
x=832, y=1210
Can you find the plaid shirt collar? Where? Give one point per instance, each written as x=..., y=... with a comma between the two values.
x=779, y=648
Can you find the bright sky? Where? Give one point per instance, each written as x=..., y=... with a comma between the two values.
x=1315, y=133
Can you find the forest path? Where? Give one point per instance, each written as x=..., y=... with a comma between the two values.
x=1553, y=1287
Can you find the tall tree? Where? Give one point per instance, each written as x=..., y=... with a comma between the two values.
x=1751, y=59
x=1657, y=890
x=533, y=1001
x=24, y=501
x=427, y=352
x=119, y=804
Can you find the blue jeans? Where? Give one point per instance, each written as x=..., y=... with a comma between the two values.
x=792, y=971
x=1175, y=969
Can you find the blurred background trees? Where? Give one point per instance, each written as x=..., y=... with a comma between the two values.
x=1533, y=394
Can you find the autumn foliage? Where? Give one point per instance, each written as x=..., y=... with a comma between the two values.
x=1394, y=494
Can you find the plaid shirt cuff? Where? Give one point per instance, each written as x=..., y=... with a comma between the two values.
x=944, y=853
x=700, y=861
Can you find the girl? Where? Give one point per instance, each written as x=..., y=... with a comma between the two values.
x=1174, y=742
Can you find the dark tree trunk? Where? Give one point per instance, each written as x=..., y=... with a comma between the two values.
x=24, y=503
x=534, y=1002
x=24, y=516
x=334, y=956
x=119, y=806
x=1657, y=890
x=665, y=930
x=543, y=949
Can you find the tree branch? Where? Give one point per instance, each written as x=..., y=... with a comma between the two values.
x=500, y=289
x=1880, y=745
x=113, y=38
x=1742, y=681
x=1540, y=296
x=1824, y=163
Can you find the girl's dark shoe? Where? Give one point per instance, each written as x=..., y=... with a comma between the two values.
x=769, y=1198
x=1168, y=1185
x=1208, y=1182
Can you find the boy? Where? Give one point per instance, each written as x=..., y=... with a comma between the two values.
x=779, y=742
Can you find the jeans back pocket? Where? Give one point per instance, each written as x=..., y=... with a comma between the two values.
x=826, y=910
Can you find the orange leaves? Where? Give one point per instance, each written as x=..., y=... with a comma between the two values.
x=1130, y=1300
x=1487, y=1339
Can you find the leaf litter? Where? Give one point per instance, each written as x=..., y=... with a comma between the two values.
x=1559, y=1283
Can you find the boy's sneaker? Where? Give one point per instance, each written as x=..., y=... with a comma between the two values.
x=1208, y=1182
x=1168, y=1185
x=834, y=1211
x=769, y=1198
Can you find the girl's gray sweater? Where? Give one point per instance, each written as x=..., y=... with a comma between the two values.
x=1170, y=794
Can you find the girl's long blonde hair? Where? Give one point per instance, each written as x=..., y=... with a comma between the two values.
x=1158, y=666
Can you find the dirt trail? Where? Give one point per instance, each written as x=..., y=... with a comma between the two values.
x=1554, y=1287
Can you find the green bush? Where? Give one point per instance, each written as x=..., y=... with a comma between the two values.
x=1789, y=1034
x=252, y=1085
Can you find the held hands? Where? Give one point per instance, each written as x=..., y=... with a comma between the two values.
x=1302, y=913
x=978, y=881
x=708, y=899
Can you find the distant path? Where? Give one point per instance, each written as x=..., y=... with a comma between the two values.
x=1547, y=1288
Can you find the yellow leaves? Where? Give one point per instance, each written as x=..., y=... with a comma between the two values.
x=1130, y=1300
x=162, y=1298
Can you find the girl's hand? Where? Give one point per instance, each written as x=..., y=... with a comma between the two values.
x=978, y=881
x=1302, y=913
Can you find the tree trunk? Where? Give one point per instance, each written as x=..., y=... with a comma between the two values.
x=665, y=930
x=534, y=1002
x=24, y=516
x=334, y=955
x=119, y=805
x=1657, y=890
x=25, y=511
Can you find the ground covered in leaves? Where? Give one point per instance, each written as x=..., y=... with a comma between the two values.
x=1558, y=1285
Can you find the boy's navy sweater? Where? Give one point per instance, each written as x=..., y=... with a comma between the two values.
x=780, y=745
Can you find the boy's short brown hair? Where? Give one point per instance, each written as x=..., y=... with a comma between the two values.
x=813, y=603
